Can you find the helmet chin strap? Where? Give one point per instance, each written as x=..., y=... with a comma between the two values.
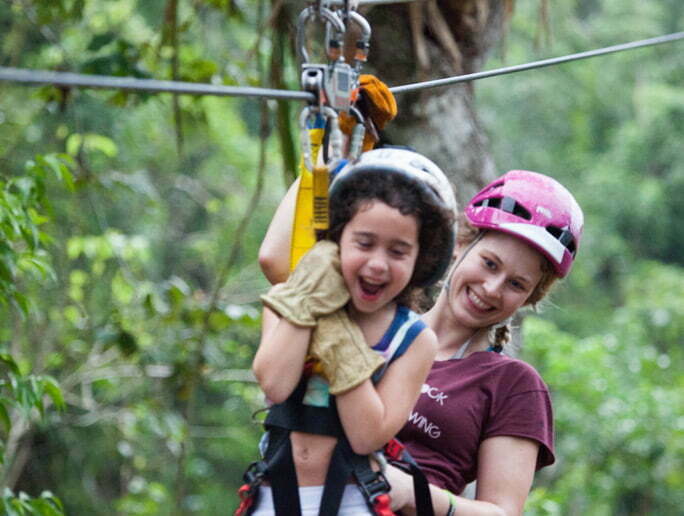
x=447, y=287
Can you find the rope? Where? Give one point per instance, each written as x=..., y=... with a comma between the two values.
x=539, y=64
x=124, y=83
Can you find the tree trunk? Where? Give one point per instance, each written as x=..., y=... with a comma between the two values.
x=435, y=39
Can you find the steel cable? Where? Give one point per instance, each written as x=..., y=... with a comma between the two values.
x=669, y=38
x=67, y=79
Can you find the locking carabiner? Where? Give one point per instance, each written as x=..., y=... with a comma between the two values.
x=308, y=14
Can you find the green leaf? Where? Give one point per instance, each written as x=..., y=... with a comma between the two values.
x=100, y=40
x=219, y=320
x=91, y=142
x=52, y=389
x=4, y=416
x=127, y=343
x=9, y=361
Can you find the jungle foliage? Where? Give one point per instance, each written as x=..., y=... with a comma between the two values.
x=130, y=225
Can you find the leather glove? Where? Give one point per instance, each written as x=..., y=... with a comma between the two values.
x=316, y=287
x=345, y=358
x=378, y=106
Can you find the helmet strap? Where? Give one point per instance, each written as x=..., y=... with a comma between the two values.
x=447, y=283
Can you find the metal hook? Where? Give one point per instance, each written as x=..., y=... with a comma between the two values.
x=362, y=44
x=359, y=131
x=311, y=12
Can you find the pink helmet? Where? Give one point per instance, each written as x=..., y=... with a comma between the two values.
x=535, y=208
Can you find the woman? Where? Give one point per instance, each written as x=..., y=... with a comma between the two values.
x=482, y=415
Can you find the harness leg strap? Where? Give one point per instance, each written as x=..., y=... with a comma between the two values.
x=336, y=478
x=283, y=479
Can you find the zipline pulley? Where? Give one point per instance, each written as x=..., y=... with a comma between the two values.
x=334, y=83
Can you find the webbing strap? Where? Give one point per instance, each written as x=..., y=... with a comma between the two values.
x=421, y=490
x=283, y=479
x=336, y=478
x=344, y=463
x=396, y=451
x=293, y=415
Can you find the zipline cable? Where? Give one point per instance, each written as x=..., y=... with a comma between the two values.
x=373, y=2
x=67, y=79
x=669, y=38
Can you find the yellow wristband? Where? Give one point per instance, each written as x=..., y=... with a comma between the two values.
x=452, y=502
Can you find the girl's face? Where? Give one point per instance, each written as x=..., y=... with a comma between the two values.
x=495, y=278
x=378, y=250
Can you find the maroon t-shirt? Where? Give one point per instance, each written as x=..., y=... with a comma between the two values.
x=463, y=402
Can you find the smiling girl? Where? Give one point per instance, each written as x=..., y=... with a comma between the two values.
x=346, y=304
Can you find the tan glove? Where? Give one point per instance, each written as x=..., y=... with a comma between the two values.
x=316, y=287
x=345, y=358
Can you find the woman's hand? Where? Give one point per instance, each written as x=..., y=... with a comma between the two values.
x=401, y=490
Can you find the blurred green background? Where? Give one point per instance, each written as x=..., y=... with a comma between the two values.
x=131, y=223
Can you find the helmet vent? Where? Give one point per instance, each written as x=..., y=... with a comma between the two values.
x=564, y=237
x=507, y=204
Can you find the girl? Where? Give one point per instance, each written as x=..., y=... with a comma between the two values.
x=391, y=233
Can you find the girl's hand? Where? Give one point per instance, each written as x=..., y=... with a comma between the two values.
x=315, y=288
x=345, y=357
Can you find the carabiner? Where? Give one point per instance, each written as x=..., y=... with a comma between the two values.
x=359, y=131
x=362, y=44
x=335, y=139
x=305, y=17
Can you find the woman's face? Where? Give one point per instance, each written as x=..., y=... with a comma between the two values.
x=495, y=278
x=378, y=250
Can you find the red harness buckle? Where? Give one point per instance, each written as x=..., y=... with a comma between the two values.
x=381, y=505
x=394, y=449
x=246, y=494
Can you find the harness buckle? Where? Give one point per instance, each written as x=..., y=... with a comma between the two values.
x=246, y=494
x=373, y=488
x=382, y=505
x=255, y=474
x=248, y=491
x=394, y=449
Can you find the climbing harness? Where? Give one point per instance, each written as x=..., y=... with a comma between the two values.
x=304, y=412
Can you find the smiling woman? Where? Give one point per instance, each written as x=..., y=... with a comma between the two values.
x=496, y=277
x=482, y=415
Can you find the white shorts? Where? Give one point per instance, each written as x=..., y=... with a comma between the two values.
x=353, y=503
